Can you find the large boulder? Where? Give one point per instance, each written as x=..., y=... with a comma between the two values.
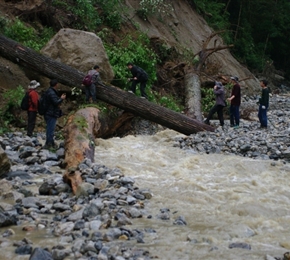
x=81, y=50
x=5, y=163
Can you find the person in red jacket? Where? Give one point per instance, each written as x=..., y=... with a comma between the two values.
x=33, y=106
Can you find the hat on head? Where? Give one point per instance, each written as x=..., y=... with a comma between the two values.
x=218, y=84
x=235, y=78
x=33, y=84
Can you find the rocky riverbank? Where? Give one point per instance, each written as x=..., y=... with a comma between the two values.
x=93, y=224
x=98, y=222
x=249, y=140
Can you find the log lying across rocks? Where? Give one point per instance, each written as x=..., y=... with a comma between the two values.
x=80, y=132
x=69, y=76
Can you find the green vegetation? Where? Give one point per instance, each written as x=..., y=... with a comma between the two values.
x=133, y=50
x=9, y=113
x=80, y=122
x=92, y=14
x=259, y=29
x=153, y=7
x=28, y=36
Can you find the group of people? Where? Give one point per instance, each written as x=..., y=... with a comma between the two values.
x=235, y=102
x=139, y=76
x=52, y=111
x=54, y=101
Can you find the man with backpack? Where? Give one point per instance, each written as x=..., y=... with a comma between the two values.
x=90, y=81
x=32, y=106
x=52, y=112
x=139, y=76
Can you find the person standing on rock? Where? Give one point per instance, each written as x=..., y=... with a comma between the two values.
x=139, y=76
x=235, y=100
x=52, y=113
x=32, y=106
x=219, y=92
x=90, y=90
x=263, y=104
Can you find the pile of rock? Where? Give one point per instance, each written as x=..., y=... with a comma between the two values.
x=249, y=140
x=93, y=224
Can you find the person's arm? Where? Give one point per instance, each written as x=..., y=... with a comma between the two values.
x=234, y=93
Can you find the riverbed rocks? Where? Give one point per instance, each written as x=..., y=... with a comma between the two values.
x=92, y=224
x=249, y=140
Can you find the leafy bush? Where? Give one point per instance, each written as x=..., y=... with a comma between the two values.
x=151, y=7
x=111, y=14
x=131, y=50
x=10, y=109
x=88, y=17
x=27, y=36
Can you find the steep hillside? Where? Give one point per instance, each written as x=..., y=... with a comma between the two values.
x=185, y=28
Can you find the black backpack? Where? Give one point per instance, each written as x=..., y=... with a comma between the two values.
x=25, y=102
x=43, y=103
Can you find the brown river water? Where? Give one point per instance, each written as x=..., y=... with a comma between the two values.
x=224, y=199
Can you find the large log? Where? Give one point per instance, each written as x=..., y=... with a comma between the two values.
x=69, y=76
x=80, y=131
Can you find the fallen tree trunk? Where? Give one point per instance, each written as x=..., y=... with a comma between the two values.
x=80, y=131
x=69, y=76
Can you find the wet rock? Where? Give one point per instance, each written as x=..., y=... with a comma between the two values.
x=180, y=221
x=240, y=245
x=24, y=250
x=39, y=253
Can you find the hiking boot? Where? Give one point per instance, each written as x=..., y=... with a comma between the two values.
x=46, y=146
x=236, y=127
x=206, y=122
x=130, y=91
x=143, y=97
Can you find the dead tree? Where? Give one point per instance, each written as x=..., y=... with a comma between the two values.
x=69, y=76
x=192, y=78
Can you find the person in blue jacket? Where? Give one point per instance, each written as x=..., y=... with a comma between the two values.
x=263, y=104
x=52, y=113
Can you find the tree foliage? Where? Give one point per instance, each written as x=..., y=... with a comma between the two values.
x=259, y=29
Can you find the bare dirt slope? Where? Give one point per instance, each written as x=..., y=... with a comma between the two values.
x=184, y=28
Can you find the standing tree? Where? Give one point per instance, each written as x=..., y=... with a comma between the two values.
x=192, y=77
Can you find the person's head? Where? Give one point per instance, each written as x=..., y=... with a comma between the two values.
x=96, y=67
x=53, y=83
x=218, y=84
x=33, y=84
x=234, y=79
x=129, y=65
x=263, y=83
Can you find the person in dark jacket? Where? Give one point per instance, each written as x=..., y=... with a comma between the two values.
x=219, y=92
x=91, y=90
x=263, y=104
x=235, y=100
x=53, y=112
x=32, y=106
x=139, y=76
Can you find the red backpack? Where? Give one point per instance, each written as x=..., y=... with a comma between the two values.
x=87, y=81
